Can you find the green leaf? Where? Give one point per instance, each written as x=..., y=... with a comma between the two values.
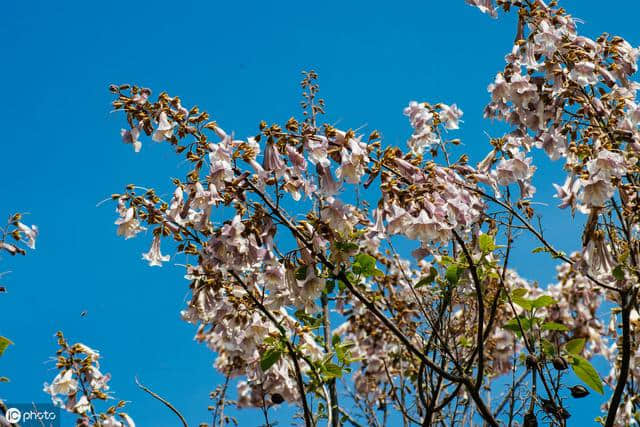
x=548, y=348
x=553, y=326
x=446, y=260
x=486, y=243
x=269, y=357
x=520, y=292
x=575, y=345
x=587, y=373
x=365, y=264
x=539, y=249
x=453, y=274
x=332, y=370
x=346, y=246
x=543, y=301
x=525, y=303
x=4, y=380
x=335, y=339
x=618, y=272
x=4, y=343
x=513, y=325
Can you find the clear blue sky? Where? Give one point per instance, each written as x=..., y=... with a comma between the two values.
x=241, y=61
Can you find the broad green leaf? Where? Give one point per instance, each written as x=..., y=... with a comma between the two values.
x=575, y=345
x=587, y=373
x=486, y=243
x=366, y=261
x=4, y=343
x=525, y=303
x=618, y=272
x=335, y=339
x=520, y=292
x=453, y=274
x=513, y=325
x=553, y=326
x=269, y=357
x=548, y=348
x=543, y=301
x=365, y=264
x=332, y=370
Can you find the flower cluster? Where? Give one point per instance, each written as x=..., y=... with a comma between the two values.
x=80, y=384
x=425, y=120
x=14, y=236
x=440, y=201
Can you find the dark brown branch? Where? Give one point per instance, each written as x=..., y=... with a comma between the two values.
x=614, y=404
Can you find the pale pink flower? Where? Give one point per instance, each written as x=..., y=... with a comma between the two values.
x=154, y=256
x=499, y=89
x=164, y=130
x=450, y=115
x=515, y=169
x=272, y=159
x=82, y=405
x=485, y=6
x=597, y=190
x=607, y=163
x=63, y=383
x=553, y=143
x=568, y=193
x=30, y=234
x=584, y=74
x=128, y=225
x=130, y=136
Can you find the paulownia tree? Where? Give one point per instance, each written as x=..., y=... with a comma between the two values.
x=293, y=240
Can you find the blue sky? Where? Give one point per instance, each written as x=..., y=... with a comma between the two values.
x=241, y=61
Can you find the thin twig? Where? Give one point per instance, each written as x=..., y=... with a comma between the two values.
x=164, y=401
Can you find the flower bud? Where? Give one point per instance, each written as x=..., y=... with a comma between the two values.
x=579, y=391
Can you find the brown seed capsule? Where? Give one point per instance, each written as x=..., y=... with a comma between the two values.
x=277, y=398
x=531, y=361
x=548, y=406
x=530, y=420
x=563, y=413
x=560, y=363
x=579, y=391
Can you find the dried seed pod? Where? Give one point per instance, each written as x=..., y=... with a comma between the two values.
x=579, y=391
x=531, y=361
x=530, y=420
x=563, y=413
x=560, y=363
